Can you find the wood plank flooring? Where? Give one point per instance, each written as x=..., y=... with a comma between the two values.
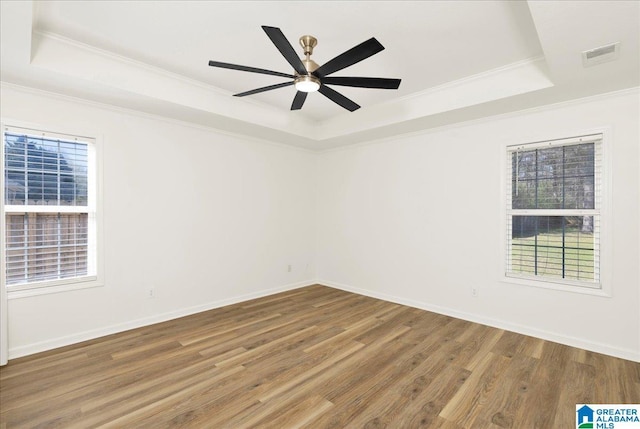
x=314, y=357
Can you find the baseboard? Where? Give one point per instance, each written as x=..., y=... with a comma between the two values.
x=55, y=343
x=582, y=343
x=29, y=349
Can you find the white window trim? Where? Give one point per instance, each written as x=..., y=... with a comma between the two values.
x=606, y=238
x=4, y=320
x=59, y=285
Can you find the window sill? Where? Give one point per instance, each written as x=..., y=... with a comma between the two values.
x=585, y=290
x=45, y=288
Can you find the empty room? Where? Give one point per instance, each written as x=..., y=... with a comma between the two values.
x=320, y=214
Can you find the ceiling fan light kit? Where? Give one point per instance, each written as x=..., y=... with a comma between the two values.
x=309, y=77
x=307, y=83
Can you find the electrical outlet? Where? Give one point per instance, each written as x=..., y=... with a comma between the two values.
x=151, y=293
x=289, y=269
x=474, y=291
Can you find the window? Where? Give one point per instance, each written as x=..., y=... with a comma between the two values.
x=49, y=209
x=553, y=211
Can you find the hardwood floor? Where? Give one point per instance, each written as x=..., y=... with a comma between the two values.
x=314, y=357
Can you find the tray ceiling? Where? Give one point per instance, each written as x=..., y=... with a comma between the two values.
x=457, y=60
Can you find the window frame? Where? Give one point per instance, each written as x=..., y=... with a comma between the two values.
x=94, y=211
x=603, y=287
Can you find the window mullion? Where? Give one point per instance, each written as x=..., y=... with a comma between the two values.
x=554, y=212
x=46, y=209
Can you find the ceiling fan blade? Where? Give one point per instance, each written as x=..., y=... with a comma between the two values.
x=263, y=89
x=363, y=82
x=285, y=48
x=338, y=98
x=248, y=69
x=354, y=55
x=298, y=100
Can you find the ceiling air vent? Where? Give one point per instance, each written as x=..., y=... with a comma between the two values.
x=600, y=55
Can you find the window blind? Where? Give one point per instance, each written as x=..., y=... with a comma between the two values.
x=554, y=192
x=49, y=218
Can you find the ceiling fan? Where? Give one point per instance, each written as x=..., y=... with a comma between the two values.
x=309, y=77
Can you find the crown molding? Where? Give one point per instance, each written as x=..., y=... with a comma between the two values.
x=145, y=115
x=77, y=60
x=503, y=82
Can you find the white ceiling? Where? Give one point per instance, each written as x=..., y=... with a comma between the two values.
x=458, y=60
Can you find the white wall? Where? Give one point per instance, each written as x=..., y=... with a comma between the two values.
x=207, y=219
x=419, y=220
x=203, y=217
